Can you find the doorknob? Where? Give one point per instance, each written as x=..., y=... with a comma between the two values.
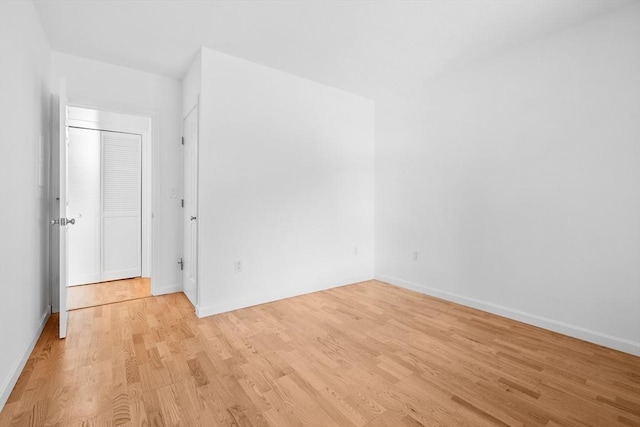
x=193, y=218
x=63, y=221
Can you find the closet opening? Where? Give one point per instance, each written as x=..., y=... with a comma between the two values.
x=109, y=198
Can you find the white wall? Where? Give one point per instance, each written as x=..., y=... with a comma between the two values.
x=192, y=85
x=286, y=185
x=114, y=88
x=517, y=182
x=25, y=61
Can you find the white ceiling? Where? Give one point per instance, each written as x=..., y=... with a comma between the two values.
x=366, y=47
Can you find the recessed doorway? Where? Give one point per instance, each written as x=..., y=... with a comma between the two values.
x=114, y=223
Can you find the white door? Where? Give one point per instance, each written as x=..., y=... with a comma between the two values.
x=83, y=204
x=121, y=205
x=104, y=197
x=62, y=211
x=190, y=221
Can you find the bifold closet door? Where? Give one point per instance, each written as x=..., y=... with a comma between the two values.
x=83, y=197
x=121, y=205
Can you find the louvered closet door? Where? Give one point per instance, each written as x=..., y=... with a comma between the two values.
x=121, y=205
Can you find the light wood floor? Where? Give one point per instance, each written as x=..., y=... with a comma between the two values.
x=365, y=354
x=107, y=292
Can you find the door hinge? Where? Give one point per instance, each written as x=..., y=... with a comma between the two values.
x=182, y=140
x=182, y=203
x=181, y=262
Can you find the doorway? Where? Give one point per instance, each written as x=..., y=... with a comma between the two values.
x=114, y=135
x=104, y=198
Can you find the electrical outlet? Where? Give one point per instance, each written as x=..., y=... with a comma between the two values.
x=355, y=250
x=238, y=265
x=414, y=257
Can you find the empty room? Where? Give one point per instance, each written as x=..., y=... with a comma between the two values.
x=324, y=213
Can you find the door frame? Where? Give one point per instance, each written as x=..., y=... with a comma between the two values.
x=195, y=107
x=99, y=119
x=90, y=118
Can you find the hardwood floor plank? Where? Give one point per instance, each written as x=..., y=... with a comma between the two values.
x=368, y=354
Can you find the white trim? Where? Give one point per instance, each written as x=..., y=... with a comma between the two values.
x=574, y=331
x=7, y=388
x=275, y=296
x=171, y=289
x=197, y=202
x=250, y=302
x=198, y=190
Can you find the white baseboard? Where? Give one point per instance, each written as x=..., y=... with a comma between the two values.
x=263, y=299
x=595, y=337
x=7, y=388
x=249, y=302
x=171, y=289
